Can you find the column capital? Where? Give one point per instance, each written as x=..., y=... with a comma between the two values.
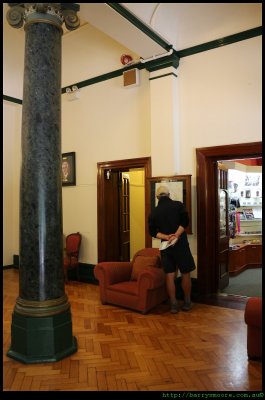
x=51, y=13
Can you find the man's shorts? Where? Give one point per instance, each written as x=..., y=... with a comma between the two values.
x=177, y=257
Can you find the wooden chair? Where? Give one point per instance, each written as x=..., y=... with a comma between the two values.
x=73, y=243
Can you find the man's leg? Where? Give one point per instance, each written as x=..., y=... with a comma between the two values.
x=171, y=290
x=186, y=286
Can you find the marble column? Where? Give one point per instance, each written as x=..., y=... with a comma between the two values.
x=41, y=329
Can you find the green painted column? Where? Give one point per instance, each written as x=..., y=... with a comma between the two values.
x=41, y=329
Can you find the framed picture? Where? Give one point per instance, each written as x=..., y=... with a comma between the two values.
x=179, y=188
x=68, y=169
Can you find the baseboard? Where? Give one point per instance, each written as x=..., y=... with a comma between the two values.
x=8, y=266
x=86, y=273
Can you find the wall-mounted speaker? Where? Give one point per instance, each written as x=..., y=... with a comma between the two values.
x=131, y=77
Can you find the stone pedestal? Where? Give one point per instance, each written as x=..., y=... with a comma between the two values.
x=41, y=328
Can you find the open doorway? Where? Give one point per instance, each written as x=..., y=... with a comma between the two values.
x=244, y=214
x=208, y=268
x=109, y=214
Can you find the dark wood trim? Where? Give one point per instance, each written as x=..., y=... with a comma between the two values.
x=206, y=207
x=120, y=165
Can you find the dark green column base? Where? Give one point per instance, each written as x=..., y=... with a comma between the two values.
x=41, y=339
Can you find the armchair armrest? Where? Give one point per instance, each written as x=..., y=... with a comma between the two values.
x=109, y=273
x=151, y=278
x=253, y=312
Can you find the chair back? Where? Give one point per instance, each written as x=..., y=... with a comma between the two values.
x=147, y=252
x=73, y=243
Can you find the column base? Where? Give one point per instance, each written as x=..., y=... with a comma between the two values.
x=41, y=339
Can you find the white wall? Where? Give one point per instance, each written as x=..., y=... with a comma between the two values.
x=13, y=58
x=11, y=171
x=220, y=104
x=88, y=52
x=220, y=98
x=108, y=122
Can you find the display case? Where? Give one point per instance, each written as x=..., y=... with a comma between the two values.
x=243, y=256
x=245, y=199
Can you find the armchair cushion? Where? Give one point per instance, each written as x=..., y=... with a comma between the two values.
x=141, y=263
x=125, y=287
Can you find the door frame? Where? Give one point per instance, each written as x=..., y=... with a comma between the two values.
x=222, y=242
x=207, y=268
x=123, y=166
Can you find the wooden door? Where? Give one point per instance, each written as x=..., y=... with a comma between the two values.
x=106, y=200
x=124, y=225
x=110, y=213
x=222, y=226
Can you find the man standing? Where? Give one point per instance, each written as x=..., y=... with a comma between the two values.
x=168, y=222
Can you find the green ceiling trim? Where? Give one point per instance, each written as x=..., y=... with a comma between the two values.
x=163, y=62
x=221, y=42
x=140, y=25
x=162, y=76
x=171, y=60
x=12, y=99
x=152, y=65
x=96, y=79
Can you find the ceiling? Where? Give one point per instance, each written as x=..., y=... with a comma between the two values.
x=182, y=25
x=147, y=29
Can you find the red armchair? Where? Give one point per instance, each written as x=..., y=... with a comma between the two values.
x=253, y=319
x=138, y=285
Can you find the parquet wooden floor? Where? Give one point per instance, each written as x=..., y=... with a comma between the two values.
x=121, y=350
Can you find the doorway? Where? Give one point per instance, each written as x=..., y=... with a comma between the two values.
x=208, y=269
x=108, y=214
x=245, y=227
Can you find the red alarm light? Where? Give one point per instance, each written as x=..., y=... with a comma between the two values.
x=125, y=59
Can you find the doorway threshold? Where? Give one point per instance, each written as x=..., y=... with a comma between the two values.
x=224, y=300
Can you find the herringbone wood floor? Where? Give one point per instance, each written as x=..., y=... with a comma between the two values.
x=121, y=350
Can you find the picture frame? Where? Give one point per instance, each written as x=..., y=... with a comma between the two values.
x=179, y=188
x=68, y=169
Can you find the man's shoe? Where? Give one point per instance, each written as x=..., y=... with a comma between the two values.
x=174, y=308
x=187, y=306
